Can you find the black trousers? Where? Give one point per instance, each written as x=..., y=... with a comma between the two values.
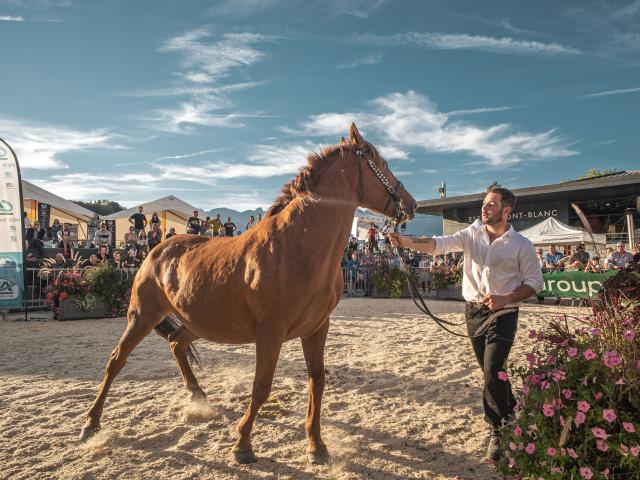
x=492, y=345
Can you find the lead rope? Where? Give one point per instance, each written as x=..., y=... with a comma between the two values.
x=442, y=323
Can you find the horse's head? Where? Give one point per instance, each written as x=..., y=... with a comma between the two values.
x=378, y=189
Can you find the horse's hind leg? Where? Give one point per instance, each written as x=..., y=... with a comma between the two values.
x=313, y=347
x=267, y=352
x=179, y=342
x=141, y=323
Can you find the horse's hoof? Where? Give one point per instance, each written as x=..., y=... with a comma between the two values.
x=245, y=456
x=319, y=457
x=87, y=432
x=198, y=396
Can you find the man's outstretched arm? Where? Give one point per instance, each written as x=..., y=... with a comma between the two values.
x=421, y=244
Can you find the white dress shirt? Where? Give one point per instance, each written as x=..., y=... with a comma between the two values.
x=496, y=268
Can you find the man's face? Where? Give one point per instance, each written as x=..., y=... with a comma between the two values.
x=552, y=249
x=229, y=219
x=492, y=209
x=195, y=214
x=139, y=209
x=103, y=226
x=620, y=248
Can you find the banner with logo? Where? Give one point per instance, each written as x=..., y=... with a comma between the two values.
x=11, y=230
x=44, y=214
x=574, y=284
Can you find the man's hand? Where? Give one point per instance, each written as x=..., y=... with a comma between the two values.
x=496, y=302
x=398, y=240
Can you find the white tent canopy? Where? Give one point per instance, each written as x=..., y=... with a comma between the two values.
x=40, y=195
x=363, y=220
x=551, y=231
x=170, y=204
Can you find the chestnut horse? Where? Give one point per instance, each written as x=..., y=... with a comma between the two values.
x=273, y=290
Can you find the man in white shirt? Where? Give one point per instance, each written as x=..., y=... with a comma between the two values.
x=500, y=271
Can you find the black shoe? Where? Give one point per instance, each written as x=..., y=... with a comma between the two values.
x=494, y=452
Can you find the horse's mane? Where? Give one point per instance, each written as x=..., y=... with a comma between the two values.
x=302, y=184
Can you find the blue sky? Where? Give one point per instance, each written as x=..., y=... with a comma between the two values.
x=219, y=102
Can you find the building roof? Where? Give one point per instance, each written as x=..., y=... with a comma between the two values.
x=40, y=195
x=628, y=177
x=170, y=203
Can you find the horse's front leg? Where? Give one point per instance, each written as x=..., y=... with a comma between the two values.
x=267, y=352
x=313, y=347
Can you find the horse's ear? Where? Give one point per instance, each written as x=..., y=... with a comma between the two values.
x=354, y=135
x=343, y=141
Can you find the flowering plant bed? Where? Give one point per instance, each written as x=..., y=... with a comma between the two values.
x=578, y=413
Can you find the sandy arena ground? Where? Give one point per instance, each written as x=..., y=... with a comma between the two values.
x=403, y=400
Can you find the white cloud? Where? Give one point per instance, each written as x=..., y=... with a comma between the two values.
x=39, y=146
x=191, y=90
x=217, y=58
x=473, y=111
x=606, y=93
x=90, y=185
x=410, y=120
x=462, y=41
x=370, y=59
x=9, y=18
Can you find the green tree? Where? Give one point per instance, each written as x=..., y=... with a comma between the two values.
x=594, y=172
x=101, y=207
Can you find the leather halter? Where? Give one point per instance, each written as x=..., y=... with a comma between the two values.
x=399, y=215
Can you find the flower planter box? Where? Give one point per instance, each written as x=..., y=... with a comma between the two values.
x=69, y=311
x=449, y=292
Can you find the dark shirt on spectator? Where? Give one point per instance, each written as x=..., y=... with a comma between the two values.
x=229, y=227
x=139, y=220
x=193, y=225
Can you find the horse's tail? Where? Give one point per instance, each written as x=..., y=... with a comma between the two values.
x=169, y=325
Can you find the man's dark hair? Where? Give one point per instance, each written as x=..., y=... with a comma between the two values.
x=508, y=198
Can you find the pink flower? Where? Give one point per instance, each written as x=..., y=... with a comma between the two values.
x=629, y=335
x=559, y=375
x=518, y=431
x=589, y=354
x=545, y=384
x=525, y=390
x=533, y=427
x=595, y=332
x=572, y=453
x=599, y=433
x=512, y=462
x=620, y=381
x=605, y=473
x=580, y=418
x=583, y=406
x=609, y=415
x=572, y=351
x=635, y=451
x=530, y=448
x=551, y=452
x=503, y=376
x=566, y=393
x=597, y=396
x=586, y=473
x=611, y=359
x=624, y=450
x=602, y=446
x=548, y=409
x=533, y=334
x=551, y=360
x=628, y=426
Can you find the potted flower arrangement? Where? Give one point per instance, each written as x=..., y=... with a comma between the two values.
x=578, y=413
x=94, y=292
x=448, y=284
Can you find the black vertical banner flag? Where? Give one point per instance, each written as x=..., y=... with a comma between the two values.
x=44, y=214
x=111, y=226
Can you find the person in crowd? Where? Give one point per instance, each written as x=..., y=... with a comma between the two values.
x=117, y=259
x=259, y=219
x=204, y=226
x=103, y=253
x=138, y=220
x=554, y=263
x=193, y=223
x=65, y=231
x=425, y=276
x=566, y=251
x=593, y=265
x=372, y=237
x=636, y=254
x=250, y=223
x=155, y=220
x=607, y=253
x=34, y=237
x=61, y=261
x=229, y=228
x=143, y=240
x=216, y=225
x=93, y=261
x=412, y=260
x=367, y=259
x=131, y=237
x=66, y=243
x=172, y=232
x=94, y=225
x=222, y=231
x=492, y=299
x=131, y=261
x=143, y=253
x=387, y=228
x=351, y=269
x=353, y=244
x=102, y=236
x=578, y=260
x=542, y=261
x=55, y=228
x=26, y=220
x=155, y=236
x=619, y=259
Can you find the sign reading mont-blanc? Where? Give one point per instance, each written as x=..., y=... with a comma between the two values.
x=11, y=230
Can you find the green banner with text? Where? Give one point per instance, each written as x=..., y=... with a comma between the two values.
x=574, y=284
